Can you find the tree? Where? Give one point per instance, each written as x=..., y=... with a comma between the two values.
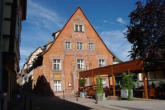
x=146, y=30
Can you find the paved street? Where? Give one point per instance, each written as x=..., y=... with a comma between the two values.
x=137, y=104
x=51, y=103
x=55, y=103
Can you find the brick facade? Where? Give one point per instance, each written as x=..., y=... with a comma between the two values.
x=68, y=74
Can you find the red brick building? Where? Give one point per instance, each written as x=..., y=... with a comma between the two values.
x=76, y=47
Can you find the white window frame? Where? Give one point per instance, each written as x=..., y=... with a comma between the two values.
x=79, y=28
x=79, y=46
x=76, y=28
x=57, y=86
x=67, y=45
x=101, y=62
x=56, y=64
x=91, y=46
x=80, y=64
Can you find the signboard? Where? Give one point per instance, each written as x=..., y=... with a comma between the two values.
x=57, y=76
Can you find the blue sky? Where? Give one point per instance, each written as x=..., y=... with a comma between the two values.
x=109, y=18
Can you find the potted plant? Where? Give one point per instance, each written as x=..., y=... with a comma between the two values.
x=99, y=91
x=127, y=86
x=82, y=84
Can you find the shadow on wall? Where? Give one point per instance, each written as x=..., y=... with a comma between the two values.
x=42, y=87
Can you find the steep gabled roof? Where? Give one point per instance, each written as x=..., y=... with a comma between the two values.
x=29, y=59
x=53, y=34
x=91, y=26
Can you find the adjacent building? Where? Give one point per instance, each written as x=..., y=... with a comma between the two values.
x=28, y=68
x=13, y=12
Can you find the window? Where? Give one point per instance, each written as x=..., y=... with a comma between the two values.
x=57, y=64
x=80, y=64
x=76, y=28
x=79, y=45
x=91, y=46
x=101, y=62
x=67, y=45
x=104, y=82
x=57, y=85
x=79, y=28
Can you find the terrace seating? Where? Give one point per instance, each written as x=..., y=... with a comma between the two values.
x=152, y=92
x=91, y=92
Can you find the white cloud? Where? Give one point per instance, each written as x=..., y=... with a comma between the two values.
x=120, y=20
x=37, y=29
x=116, y=42
x=41, y=16
x=24, y=51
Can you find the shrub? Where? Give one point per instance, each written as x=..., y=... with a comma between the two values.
x=99, y=85
x=128, y=83
x=82, y=82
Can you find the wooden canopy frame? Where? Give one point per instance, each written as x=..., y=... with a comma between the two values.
x=131, y=66
x=116, y=69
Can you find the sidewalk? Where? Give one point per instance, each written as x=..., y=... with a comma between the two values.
x=137, y=104
x=25, y=104
x=71, y=103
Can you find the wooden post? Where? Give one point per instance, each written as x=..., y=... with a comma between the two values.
x=79, y=84
x=145, y=82
x=109, y=84
x=93, y=79
x=113, y=80
x=145, y=86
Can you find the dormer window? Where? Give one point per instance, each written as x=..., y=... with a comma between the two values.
x=79, y=28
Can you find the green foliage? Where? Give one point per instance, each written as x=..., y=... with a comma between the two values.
x=146, y=30
x=99, y=85
x=82, y=82
x=128, y=83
